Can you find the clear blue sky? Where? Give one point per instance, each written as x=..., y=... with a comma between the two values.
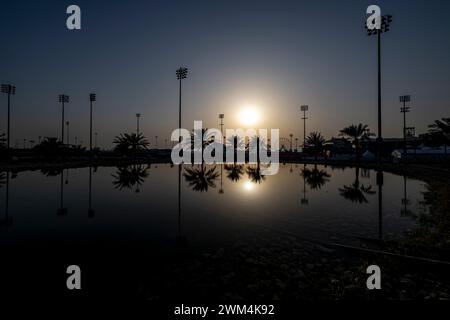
x=274, y=55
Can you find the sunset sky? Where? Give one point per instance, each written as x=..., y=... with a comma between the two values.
x=271, y=56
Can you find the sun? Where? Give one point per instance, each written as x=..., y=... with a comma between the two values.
x=248, y=116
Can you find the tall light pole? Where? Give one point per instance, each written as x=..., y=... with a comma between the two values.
x=296, y=144
x=156, y=142
x=68, y=139
x=221, y=117
x=404, y=110
x=138, y=116
x=63, y=99
x=96, y=134
x=92, y=98
x=304, y=109
x=383, y=28
x=181, y=74
x=9, y=90
x=291, y=135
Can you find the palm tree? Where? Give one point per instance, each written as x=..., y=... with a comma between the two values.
x=236, y=143
x=255, y=144
x=200, y=178
x=128, y=177
x=126, y=143
x=315, y=178
x=356, y=133
x=315, y=140
x=442, y=128
x=356, y=192
x=234, y=172
x=49, y=146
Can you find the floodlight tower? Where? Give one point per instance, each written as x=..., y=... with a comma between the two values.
x=304, y=109
x=63, y=99
x=9, y=90
x=138, y=116
x=221, y=117
x=404, y=110
x=67, y=124
x=382, y=28
x=181, y=74
x=92, y=98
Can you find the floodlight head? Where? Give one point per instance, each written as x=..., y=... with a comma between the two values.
x=93, y=97
x=405, y=109
x=405, y=98
x=221, y=116
x=182, y=73
x=385, y=26
x=9, y=89
x=138, y=115
x=304, y=108
x=63, y=98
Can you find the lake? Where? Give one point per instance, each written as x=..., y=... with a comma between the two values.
x=150, y=219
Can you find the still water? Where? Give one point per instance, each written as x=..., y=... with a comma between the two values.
x=148, y=202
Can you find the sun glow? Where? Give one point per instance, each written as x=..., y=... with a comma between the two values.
x=249, y=186
x=248, y=116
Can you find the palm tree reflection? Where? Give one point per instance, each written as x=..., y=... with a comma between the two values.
x=234, y=171
x=130, y=177
x=304, y=200
x=315, y=178
x=51, y=172
x=255, y=175
x=201, y=178
x=356, y=192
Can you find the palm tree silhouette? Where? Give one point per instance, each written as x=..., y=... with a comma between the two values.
x=234, y=171
x=235, y=143
x=356, y=192
x=315, y=140
x=442, y=129
x=255, y=144
x=49, y=146
x=130, y=176
x=356, y=133
x=201, y=178
x=126, y=143
x=315, y=178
